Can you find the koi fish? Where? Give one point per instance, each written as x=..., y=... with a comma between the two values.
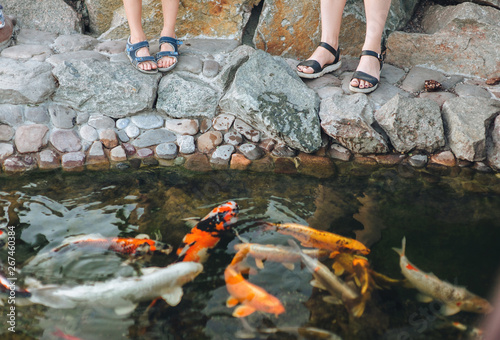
x=326, y=280
x=310, y=237
x=7, y=288
x=122, y=294
x=207, y=233
x=454, y=299
x=284, y=255
x=355, y=265
x=251, y=297
x=127, y=246
x=3, y=237
x=61, y=335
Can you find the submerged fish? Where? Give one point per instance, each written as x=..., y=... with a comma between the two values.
x=285, y=255
x=326, y=280
x=207, y=233
x=9, y=289
x=251, y=297
x=123, y=293
x=454, y=299
x=122, y=245
x=310, y=237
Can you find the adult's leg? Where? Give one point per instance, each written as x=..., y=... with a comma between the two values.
x=331, y=17
x=133, y=11
x=170, y=9
x=376, y=15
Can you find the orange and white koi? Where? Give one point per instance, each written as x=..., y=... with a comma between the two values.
x=207, y=233
x=122, y=245
x=251, y=297
x=310, y=237
x=454, y=298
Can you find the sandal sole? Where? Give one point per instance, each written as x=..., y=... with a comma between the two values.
x=367, y=90
x=140, y=69
x=327, y=69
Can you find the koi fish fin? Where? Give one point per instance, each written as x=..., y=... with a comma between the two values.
x=449, y=310
x=333, y=300
x=338, y=269
x=401, y=251
x=49, y=296
x=424, y=298
x=173, y=297
x=142, y=237
x=243, y=311
x=124, y=310
x=259, y=263
x=191, y=222
x=231, y=302
x=317, y=284
x=289, y=266
x=359, y=309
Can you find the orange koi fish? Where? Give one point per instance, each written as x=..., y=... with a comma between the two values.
x=3, y=237
x=251, y=297
x=61, y=335
x=355, y=265
x=285, y=255
x=454, y=299
x=207, y=233
x=128, y=246
x=310, y=237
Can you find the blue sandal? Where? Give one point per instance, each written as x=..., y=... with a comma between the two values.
x=175, y=45
x=135, y=60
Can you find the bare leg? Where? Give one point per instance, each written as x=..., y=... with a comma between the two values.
x=170, y=8
x=376, y=15
x=133, y=10
x=331, y=17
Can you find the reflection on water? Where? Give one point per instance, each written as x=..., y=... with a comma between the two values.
x=451, y=221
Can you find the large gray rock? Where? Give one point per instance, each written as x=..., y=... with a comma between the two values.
x=184, y=96
x=493, y=147
x=348, y=120
x=258, y=96
x=463, y=37
x=412, y=124
x=108, y=88
x=466, y=122
x=54, y=16
x=29, y=82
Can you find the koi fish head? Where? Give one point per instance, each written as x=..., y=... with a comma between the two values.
x=220, y=218
x=271, y=305
x=475, y=304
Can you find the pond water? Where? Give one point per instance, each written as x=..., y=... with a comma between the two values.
x=450, y=218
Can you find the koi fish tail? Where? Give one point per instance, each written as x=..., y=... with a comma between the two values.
x=401, y=251
x=358, y=309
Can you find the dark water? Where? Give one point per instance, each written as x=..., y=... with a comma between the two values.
x=450, y=218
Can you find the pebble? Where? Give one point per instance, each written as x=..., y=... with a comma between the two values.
x=186, y=144
x=65, y=141
x=37, y=114
x=222, y=155
x=445, y=158
x=251, y=151
x=62, y=117
x=73, y=161
x=6, y=133
x=209, y=141
x=48, y=159
x=108, y=138
x=166, y=150
x=31, y=138
x=282, y=150
x=233, y=138
x=191, y=64
x=239, y=162
x=337, y=151
x=88, y=133
x=6, y=150
x=132, y=131
x=122, y=123
x=130, y=150
x=246, y=130
x=210, y=68
x=147, y=121
x=96, y=150
x=183, y=126
x=118, y=154
x=144, y=153
x=122, y=136
x=223, y=122
x=154, y=137
x=100, y=122
x=418, y=161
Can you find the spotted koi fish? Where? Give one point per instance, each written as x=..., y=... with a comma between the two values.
x=207, y=233
x=310, y=237
x=251, y=297
x=454, y=299
x=127, y=246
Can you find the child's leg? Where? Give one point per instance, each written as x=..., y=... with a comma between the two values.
x=376, y=15
x=170, y=9
x=133, y=10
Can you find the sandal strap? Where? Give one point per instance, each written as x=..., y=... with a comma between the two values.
x=134, y=47
x=312, y=64
x=370, y=53
x=172, y=41
x=331, y=50
x=162, y=54
x=365, y=76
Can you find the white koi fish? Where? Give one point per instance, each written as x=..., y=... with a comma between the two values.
x=123, y=293
x=454, y=298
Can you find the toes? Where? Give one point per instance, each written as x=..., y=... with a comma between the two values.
x=355, y=82
x=305, y=69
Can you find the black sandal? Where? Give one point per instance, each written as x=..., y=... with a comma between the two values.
x=318, y=70
x=365, y=76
